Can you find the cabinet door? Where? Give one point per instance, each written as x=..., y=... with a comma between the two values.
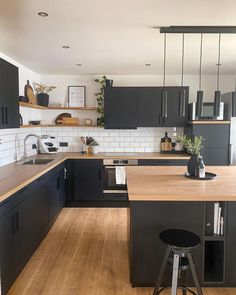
x=53, y=195
x=61, y=187
x=70, y=179
x=88, y=180
x=149, y=107
x=231, y=242
x=120, y=104
x=3, y=92
x=7, y=248
x=177, y=110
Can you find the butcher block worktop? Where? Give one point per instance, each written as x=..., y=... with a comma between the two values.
x=163, y=183
x=14, y=177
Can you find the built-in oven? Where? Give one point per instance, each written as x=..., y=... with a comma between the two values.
x=115, y=184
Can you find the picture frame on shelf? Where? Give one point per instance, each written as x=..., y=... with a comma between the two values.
x=76, y=96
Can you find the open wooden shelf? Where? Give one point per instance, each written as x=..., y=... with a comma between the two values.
x=34, y=126
x=33, y=106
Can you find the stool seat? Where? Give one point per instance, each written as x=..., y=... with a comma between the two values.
x=179, y=238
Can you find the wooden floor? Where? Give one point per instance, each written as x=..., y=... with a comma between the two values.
x=85, y=253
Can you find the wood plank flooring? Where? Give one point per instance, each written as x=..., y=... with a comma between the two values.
x=85, y=253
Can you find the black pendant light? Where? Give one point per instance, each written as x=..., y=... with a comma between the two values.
x=164, y=91
x=200, y=92
x=217, y=98
x=182, y=91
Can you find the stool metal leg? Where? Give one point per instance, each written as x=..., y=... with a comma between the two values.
x=193, y=270
x=162, y=269
x=175, y=275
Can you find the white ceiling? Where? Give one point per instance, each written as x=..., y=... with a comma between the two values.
x=113, y=37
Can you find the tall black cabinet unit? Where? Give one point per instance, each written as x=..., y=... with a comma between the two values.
x=9, y=92
x=132, y=107
x=216, y=148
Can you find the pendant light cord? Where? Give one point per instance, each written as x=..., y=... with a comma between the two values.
x=182, y=77
x=200, y=64
x=218, y=65
x=164, y=74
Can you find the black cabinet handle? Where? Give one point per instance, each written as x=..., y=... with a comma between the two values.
x=6, y=115
x=41, y=178
x=3, y=116
x=23, y=189
x=164, y=104
x=182, y=101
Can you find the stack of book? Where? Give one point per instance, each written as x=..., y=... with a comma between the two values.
x=218, y=220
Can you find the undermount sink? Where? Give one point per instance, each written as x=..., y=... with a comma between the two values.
x=37, y=161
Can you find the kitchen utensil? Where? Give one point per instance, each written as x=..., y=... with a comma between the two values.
x=59, y=118
x=34, y=122
x=29, y=93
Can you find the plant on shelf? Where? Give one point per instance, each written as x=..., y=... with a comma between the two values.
x=193, y=146
x=42, y=91
x=100, y=100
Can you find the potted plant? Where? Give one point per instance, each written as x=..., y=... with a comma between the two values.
x=42, y=91
x=94, y=147
x=193, y=146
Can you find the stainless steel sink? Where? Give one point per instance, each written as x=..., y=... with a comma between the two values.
x=37, y=161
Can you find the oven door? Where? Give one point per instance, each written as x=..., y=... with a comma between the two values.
x=110, y=186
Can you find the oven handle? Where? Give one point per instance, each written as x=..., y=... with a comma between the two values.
x=115, y=191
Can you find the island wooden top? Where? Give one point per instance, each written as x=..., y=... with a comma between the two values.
x=168, y=183
x=15, y=176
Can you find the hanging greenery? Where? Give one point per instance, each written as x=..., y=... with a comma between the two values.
x=100, y=100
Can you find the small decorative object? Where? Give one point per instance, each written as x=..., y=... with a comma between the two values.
x=178, y=146
x=66, y=105
x=95, y=147
x=59, y=118
x=193, y=146
x=23, y=99
x=29, y=93
x=42, y=93
x=88, y=122
x=166, y=144
x=43, y=122
x=109, y=83
x=76, y=96
x=100, y=100
x=34, y=122
x=201, y=171
x=20, y=120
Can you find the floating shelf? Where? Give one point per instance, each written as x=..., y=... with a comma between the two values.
x=33, y=106
x=208, y=122
x=34, y=126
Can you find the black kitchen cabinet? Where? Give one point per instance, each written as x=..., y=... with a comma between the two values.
x=9, y=92
x=216, y=141
x=88, y=180
x=149, y=107
x=69, y=180
x=120, y=104
x=159, y=162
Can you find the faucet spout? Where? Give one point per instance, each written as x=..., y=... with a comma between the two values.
x=25, y=140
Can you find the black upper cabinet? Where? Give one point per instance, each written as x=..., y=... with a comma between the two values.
x=9, y=92
x=132, y=107
x=120, y=105
x=149, y=107
x=88, y=180
x=177, y=107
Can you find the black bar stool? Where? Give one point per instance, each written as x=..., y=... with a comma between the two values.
x=179, y=255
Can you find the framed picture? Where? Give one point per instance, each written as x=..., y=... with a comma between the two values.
x=76, y=96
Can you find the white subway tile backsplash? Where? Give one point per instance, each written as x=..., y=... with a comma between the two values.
x=120, y=141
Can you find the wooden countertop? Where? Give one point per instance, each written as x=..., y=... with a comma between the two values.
x=14, y=177
x=168, y=183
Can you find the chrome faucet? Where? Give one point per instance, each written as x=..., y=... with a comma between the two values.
x=28, y=136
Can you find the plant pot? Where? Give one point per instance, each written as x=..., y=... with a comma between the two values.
x=109, y=83
x=95, y=149
x=43, y=99
x=193, y=164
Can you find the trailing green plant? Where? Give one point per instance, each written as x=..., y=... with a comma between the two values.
x=192, y=144
x=100, y=100
x=41, y=88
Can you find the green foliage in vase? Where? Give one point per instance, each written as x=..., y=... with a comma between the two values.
x=100, y=100
x=192, y=144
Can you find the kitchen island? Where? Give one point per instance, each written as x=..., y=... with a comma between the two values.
x=161, y=198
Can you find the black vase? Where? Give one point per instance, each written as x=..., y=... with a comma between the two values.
x=109, y=83
x=43, y=99
x=193, y=164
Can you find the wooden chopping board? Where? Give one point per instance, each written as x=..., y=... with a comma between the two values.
x=29, y=93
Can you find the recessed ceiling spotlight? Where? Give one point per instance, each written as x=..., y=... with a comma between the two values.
x=43, y=14
x=147, y=65
x=79, y=65
x=66, y=46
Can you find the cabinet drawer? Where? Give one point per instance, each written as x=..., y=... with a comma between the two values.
x=162, y=162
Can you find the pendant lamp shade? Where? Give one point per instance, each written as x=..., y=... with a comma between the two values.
x=200, y=92
x=217, y=97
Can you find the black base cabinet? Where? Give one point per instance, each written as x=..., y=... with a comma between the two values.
x=25, y=218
